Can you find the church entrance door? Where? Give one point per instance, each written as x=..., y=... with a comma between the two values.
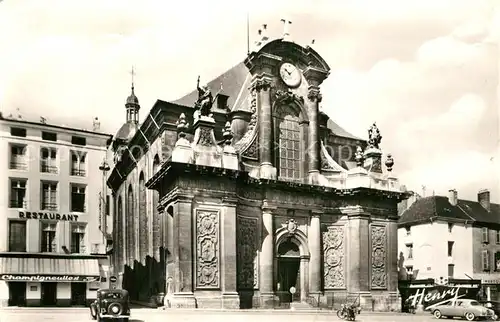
x=288, y=272
x=288, y=277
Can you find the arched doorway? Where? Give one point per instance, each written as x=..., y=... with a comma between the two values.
x=288, y=271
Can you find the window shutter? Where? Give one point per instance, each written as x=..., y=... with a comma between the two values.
x=485, y=235
x=82, y=243
x=486, y=260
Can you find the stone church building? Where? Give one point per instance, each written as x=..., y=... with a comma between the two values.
x=244, y=194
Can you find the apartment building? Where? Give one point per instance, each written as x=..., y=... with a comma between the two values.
x=443, y=237
x=53, y=214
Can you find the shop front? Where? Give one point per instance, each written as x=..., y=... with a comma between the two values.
x=426, y=293
x=490, y=287
x=55, y=280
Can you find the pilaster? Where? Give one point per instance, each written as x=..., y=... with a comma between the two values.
x=266, y=258
x=358, y=267
x=392, y=256
x=183, y=256
x=4, y=294
x=314, y=241
x=230, y=297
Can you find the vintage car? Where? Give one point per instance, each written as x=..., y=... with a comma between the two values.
x=111, y=304
x=494, y=305
x=468, y=309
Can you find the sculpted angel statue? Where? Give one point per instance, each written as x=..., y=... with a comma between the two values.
x=374, y=136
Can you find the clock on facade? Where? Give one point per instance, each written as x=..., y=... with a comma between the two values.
x=290, y=75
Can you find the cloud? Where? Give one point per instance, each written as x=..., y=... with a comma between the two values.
x=431, y=107
x=449, y=50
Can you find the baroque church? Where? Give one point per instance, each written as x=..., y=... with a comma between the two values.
x=244, y=194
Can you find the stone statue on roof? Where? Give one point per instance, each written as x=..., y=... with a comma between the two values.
x=374, y=136
x=205, y=99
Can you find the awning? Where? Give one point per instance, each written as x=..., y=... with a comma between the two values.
x=39, y=269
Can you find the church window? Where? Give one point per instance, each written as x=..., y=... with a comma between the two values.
x=288, y=143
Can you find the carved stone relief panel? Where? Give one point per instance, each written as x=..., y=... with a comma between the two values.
x=247, y=253
x=252, y=152
x=301, y=223
x=379, y=255
x=207, y=249
x=334, y=257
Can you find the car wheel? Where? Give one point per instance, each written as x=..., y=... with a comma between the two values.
x=469, y=316
x=437, y=314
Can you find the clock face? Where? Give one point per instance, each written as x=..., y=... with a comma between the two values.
x=290, y=75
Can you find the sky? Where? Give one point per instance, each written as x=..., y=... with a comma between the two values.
x=426, y=71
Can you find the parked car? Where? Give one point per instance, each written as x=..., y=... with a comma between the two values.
x=468, y=309
x=494, y=305
x=111, y=304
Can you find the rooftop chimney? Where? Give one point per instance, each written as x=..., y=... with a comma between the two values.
x=452, y=197
x=483, y=197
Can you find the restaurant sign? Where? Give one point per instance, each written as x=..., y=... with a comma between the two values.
x=47, y=216
x=47, y=278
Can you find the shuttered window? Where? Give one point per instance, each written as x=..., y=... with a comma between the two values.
x=485, y=235
x=17, y=236
x=485, y=260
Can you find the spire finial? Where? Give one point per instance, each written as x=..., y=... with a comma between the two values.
x=132, y=73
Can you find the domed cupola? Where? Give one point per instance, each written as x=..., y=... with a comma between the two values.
x=129, y=128
x=132, y=105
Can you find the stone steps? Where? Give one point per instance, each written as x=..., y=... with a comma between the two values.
x=300, y=306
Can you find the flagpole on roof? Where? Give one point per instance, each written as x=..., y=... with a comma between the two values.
x=248, y=32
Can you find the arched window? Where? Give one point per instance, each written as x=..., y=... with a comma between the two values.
x=156, y=214
x=118, y=244
x=143, y=220
x=130, y=229
x=288, y=138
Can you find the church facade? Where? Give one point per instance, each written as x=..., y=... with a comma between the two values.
x=253, y=197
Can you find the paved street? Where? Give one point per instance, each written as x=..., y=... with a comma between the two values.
x=152, y=315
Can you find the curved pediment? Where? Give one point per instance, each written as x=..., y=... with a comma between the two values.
x=305, y=55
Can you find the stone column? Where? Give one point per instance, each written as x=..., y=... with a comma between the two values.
x=314, y=240
x=314, y=98
x=263, y=88
x=267, y=257
x=230, y=297
x=304, y=279
x=183, y=253
x=315, y=77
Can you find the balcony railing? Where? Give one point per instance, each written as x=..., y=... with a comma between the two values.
x=78, y=172
x=18, y=165
x=49, y=206
x=48, y=168
x=17, y=204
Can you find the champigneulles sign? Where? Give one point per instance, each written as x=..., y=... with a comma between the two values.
x=47, y=278
x=47, y=216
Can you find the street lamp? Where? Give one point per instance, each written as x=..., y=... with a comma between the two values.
x=104, y=167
